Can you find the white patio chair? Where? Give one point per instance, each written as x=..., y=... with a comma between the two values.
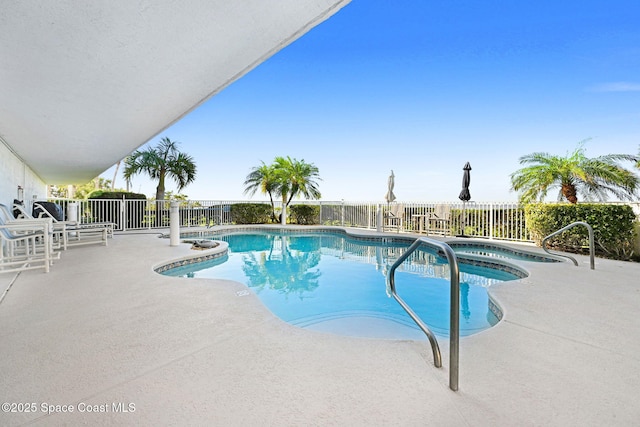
x=25, y=244
x=58, y=231
x=73, y=232
x=44, y=212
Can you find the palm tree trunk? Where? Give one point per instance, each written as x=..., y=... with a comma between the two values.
x=160, y=204
x=283, y=215
x=273, y=208
x=570, y=193
x=115, y=174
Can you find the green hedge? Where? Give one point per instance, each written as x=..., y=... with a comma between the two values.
x=305, y=214
x=613, y=227
x=251, y=213
x=118, y=195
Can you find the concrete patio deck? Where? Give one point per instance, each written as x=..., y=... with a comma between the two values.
x=103, y=331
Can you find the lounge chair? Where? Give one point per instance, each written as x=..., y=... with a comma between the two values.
x=57, y=230
x=40, y=211
x=73, y=233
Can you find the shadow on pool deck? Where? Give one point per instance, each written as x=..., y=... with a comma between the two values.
x=103, y=331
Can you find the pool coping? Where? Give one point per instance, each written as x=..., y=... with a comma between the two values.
x=192, y=258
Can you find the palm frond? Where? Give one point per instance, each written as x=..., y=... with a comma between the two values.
x=594, y=179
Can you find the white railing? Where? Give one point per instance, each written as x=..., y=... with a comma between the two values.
x=492, y=220
x=134, y=214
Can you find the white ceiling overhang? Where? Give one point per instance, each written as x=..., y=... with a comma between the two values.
x=84, y=83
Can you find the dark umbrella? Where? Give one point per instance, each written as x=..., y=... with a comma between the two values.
x=465, y=196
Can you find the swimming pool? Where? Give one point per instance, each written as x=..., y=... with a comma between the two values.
x=335, y=283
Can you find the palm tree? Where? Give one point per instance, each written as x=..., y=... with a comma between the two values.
x=262, y=178
x=296, y=178
x=163, y=161
x=287, y=178
x=593, y=178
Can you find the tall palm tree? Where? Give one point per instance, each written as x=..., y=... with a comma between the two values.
x=262, y=178
x=576, y=173
x=297, y=178
x=285, y=177
x=160, y=162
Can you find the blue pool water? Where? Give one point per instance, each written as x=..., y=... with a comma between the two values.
x=333, y=283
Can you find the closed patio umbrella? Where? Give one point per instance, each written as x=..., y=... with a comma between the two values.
x=465, y=196
x=390, y=197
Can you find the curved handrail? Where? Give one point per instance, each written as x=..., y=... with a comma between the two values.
x=454, y=325
x=562, y=230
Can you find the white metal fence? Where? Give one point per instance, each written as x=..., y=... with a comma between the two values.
x=493, y=220
x=490, y=220
x=132, y=214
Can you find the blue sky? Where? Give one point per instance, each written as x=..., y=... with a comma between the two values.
x=421, y=87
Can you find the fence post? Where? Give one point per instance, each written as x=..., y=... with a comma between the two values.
x=174, y=224
x=491, y=220
x=342, y=214
x=147, y=208
x=123, y=213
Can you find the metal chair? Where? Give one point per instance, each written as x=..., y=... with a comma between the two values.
x=394, y=217
x=440, y=220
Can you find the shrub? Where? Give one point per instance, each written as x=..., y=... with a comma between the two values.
x=305, y=214
x=102, y=194
x=250, y=213
x=613, y=227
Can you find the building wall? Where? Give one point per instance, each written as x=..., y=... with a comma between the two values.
x=14, y=173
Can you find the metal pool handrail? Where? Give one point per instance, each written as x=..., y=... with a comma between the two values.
x=562, y=230
x=454, y=326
